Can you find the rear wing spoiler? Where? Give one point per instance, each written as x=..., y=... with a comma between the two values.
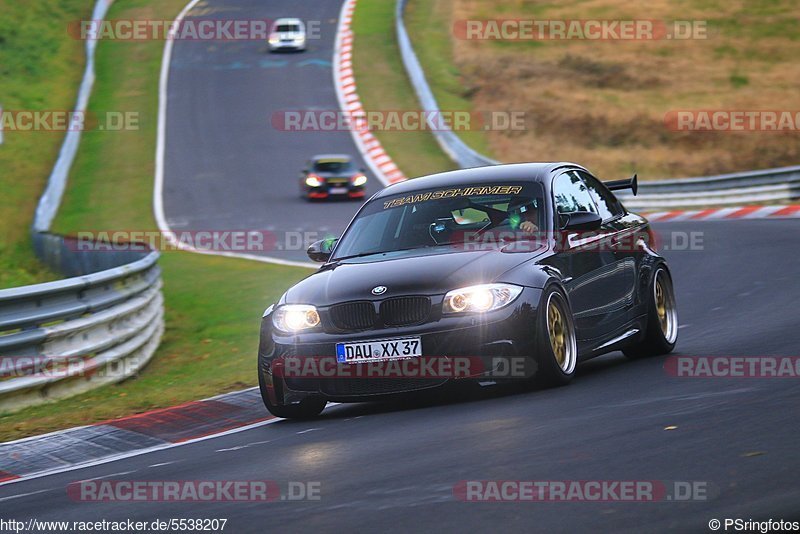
x=628, y=183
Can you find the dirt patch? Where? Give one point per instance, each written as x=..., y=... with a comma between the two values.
x=604, y=103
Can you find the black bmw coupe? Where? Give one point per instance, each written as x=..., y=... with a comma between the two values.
x=513, y=271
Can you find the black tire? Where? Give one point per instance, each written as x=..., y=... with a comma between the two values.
x=308, y=408
x=661, y=330
x=556, y=342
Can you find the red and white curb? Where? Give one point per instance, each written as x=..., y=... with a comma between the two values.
x=345, y=83
x=717, y=214
x=86, y=446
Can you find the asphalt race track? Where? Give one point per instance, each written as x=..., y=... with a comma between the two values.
x=394, y=466
x=227, y=167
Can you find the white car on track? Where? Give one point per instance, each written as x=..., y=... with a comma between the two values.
x=287, y=34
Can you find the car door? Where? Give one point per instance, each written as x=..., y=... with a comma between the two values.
x=586, y=260
x=621, y=284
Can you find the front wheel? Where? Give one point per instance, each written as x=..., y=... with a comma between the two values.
x=557, y=347
x=661, y=331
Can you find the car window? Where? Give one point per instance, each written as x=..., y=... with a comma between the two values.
x=470, y=216
x=287, y=28
x=571, y=194
x=438, y=217
x=608, y=206
x=332, y=166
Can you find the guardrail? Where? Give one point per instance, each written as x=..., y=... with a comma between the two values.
x=100, y=325
x=453, y=146
x=65, y=337
x=57, y=183
x=770, y=185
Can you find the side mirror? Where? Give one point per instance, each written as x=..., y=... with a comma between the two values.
x=304, y=171
x=320, y=251
x=580, y=221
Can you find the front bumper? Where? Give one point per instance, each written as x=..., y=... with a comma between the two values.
x=340, y=190
x=287, y=45
x=496, y=345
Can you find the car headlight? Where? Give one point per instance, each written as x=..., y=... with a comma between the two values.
x=294, y=318
x=359, y=180
x=314, y=181
x=482, y=298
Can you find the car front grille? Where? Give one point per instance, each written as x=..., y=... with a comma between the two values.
x=404, y=311
x=353, y=315
x=396, y=311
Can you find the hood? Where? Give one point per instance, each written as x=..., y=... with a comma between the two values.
x=413, y=272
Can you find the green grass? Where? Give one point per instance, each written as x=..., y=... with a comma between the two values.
x=213, y=304
x=429, y=23
x=383, y=85
x=739, y=80
x=40, y=69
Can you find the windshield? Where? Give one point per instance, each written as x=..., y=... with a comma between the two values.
x=287, y=28
x=332, y=166
x=442, y=217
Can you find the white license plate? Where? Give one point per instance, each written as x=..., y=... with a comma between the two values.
x=338, y=190
x=379, y=350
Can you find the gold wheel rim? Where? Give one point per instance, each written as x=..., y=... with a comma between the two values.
x=557, y=331
x=661, y=307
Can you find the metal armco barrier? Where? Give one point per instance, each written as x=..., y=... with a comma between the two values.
x=65, y=337
x=452, y=145
x=57, y=183
x=770, y=185
x=100, y=325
